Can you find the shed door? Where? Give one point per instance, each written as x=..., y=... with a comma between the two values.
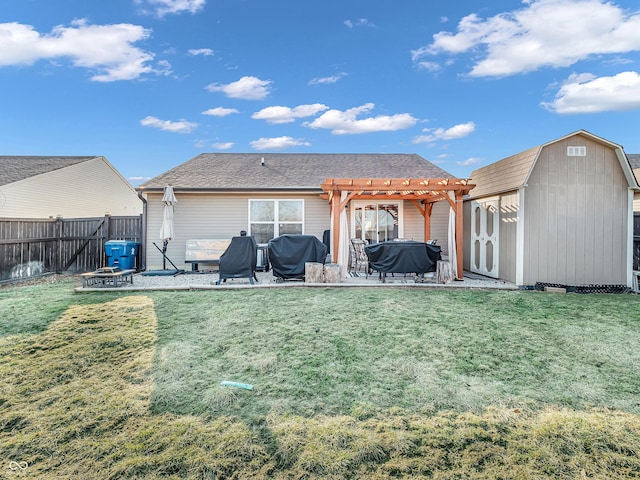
x=485, y=221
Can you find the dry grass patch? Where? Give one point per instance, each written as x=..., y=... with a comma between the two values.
x=75, y=404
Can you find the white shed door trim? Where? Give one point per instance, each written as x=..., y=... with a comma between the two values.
x=485, y=223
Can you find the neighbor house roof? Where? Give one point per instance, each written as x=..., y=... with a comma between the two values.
x=16, y=168
x=289, y=171
x=511, y=173
x=634, y=161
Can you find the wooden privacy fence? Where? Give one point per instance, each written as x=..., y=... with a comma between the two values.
x=34, y=247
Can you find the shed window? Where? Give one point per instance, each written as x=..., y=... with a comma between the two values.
x=271, y=218
x=574, y=151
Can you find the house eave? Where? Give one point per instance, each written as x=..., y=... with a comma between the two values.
x=242, y=190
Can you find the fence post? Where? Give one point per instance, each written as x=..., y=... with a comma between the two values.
x=58, y=243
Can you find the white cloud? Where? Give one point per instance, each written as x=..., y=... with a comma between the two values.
x=247, y=88
x=181, y=126
x=107, y=50
x=360, y=22
x=278, y=114
x=589, y=94
x=457, y=131
x=469, y=161
x=429, y=66
x=555, y=33
x=278, y=143
x=327, y=80
x=164, y=7
x=346, y=122
x=220, y=111
x=207, y=52
x=223, y=146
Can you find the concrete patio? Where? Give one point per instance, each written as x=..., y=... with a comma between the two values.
x=207, y=281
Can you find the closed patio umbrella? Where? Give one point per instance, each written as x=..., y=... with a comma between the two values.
x=166, y=229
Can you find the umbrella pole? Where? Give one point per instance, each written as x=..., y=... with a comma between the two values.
x=164, y=256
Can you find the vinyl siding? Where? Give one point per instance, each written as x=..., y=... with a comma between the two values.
x=636, y=196
x=205, y=215
x=88, y=189
x=576, y=217
x=217, y=216
x=414, y=224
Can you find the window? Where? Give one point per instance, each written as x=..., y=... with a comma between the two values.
x=271, y=218
x=576, y=151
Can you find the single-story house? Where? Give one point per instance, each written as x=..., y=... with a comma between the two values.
x=559, y=213
x=384, y=196
x=69, y=187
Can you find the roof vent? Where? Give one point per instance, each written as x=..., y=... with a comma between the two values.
x=576, y=151
x=262, y=162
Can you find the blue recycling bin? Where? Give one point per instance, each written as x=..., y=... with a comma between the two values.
x=121, y=253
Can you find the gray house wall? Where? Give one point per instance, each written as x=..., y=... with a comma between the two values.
x=212, y=216
x=576, y=216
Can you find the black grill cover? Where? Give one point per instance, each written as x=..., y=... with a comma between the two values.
x=403, y=257
x=289, y=253
x=239, y=259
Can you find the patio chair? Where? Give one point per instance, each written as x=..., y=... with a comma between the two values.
x=358, y=260
x=239, y=260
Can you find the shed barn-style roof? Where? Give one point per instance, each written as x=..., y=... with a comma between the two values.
x=512, y=172
x=287, y=171
x=16, y=168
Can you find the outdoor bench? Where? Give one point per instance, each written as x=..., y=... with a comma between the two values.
x=206, y=251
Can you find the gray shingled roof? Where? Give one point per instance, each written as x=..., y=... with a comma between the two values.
x=634, y=160
x=14, y=169
x=243, y=171
x=504, y=175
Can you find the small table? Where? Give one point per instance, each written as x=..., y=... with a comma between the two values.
x=107, y=277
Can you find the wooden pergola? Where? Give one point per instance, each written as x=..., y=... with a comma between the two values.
x=422, y=192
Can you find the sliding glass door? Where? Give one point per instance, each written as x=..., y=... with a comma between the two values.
x=376, y=221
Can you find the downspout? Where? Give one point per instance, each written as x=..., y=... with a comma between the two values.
x=143, y=235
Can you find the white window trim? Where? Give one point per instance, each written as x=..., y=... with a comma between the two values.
x=276, y=227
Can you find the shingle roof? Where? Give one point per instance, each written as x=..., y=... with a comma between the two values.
x=634, y=160
x=504, y=175
x=511, y=173
x=243, y=171
x=14, y=169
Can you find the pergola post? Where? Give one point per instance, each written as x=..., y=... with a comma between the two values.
x=459, y=235
x=428, y=207
x=335, y=228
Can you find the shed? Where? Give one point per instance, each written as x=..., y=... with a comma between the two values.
x=60, y=186
x=559, y=213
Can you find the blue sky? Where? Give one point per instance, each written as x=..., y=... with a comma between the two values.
x=150, y=84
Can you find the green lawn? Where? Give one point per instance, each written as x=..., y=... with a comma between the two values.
x=347, y=383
